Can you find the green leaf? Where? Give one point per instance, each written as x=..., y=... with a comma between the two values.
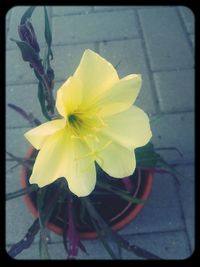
x=171, y=170
x=27, y=14
x=47, y=33
x=146, y=156
x=43, y=246
x=41, y=98
x=114, y=235
x=103, y=240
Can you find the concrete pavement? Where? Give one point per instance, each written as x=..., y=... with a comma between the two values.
x=156, y=41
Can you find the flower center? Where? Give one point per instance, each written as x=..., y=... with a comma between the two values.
x=74, y=121
x=84, y=125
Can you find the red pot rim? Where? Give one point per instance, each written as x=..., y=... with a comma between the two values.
x=87, y=235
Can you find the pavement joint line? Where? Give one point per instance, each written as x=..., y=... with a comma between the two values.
x=96, y=47
x=73, y=14
x=132, y=7
x=183, y=25
x=175, y=112
x=96, y=11
x=183, y=229
x=113, y=10
x=152, y=84
x=93, y=41
x=80, y=43
x=171, y=69
x=17, y=127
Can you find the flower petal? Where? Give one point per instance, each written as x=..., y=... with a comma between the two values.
x=38, y=135
x=116, y=160
x=62, y=156
x=130, y=128
x=96, y=74
x=69, y=96
x=120, y=96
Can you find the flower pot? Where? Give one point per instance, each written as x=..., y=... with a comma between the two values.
x=116, y=211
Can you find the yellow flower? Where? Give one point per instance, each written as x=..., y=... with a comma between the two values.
x=99, y=123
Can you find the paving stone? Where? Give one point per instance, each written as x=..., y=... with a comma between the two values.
x=12, y=177
x=161, y=212
x=175, y=85
x=130, y=56
x=94, y=27
x=67, y=59
x=65, y=10
x=188, y=17
x=18, y=220
x=17, y=145
x=16, y=142
x=25, y=97
x=175, y=130
x=37, y=21
x=187, y=195
x=165, y=39
x=169, y=246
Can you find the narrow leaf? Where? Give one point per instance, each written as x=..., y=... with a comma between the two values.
x=28, y=54
x=21, y=192
x=140, y=252
x=170, y=148
x=47, y=32
x=103, y=240
x=122, y=193
x=114, y=235
x=29, y=117
x=146, y=156
x=43, y=246
x=27, y=14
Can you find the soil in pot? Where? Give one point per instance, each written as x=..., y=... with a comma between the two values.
x=116, y=211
